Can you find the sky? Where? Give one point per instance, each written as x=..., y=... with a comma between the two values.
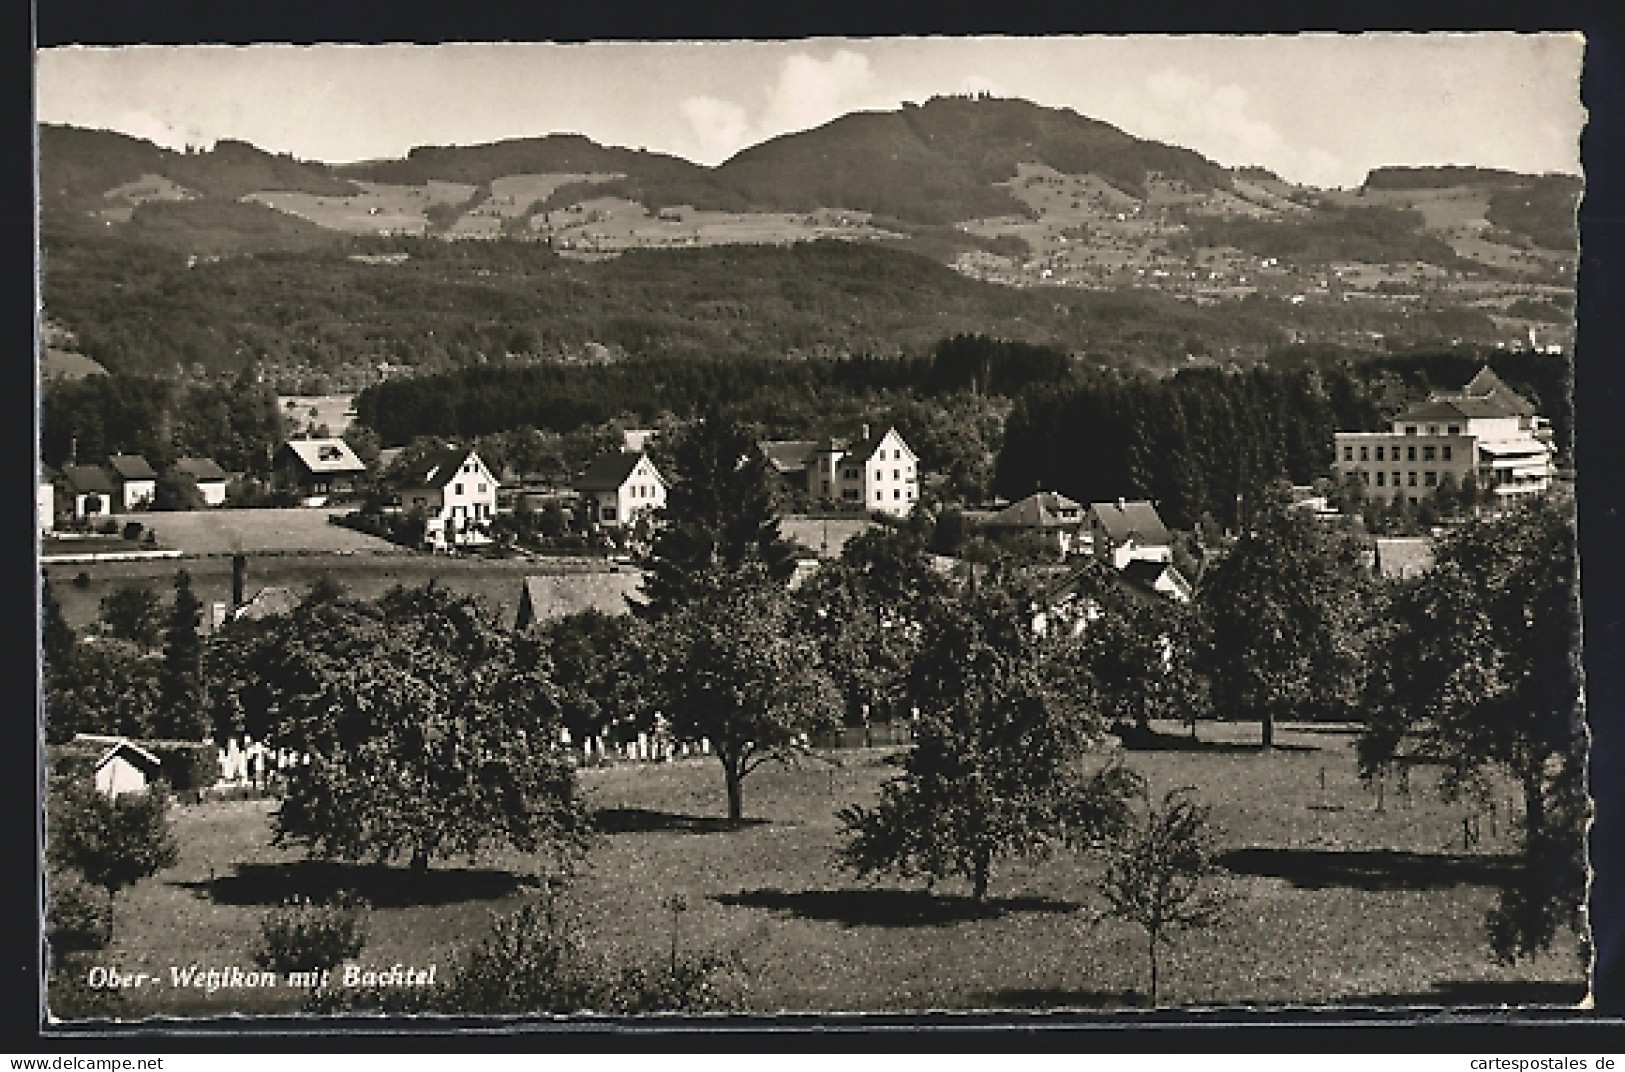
x=1317, y=109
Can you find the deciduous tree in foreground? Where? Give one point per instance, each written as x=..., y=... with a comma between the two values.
x=430, y=731
x=1161, y=872
x=738, y=672
x=998, y=765
x=1480, y=671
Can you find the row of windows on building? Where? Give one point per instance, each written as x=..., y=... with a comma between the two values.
x=896, y=474
x=1430, y=479
x=643, y=491
x=457, y=489
x=1428, y=453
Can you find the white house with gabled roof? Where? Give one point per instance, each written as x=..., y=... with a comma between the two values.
x=617, y=488
x=457, y=495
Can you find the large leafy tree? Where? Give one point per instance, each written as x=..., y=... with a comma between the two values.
x=1138, y=652
x=600, y=665
x=113, y=842
x=107, y=687
x=1283, y=614
x=1478, y=669
x=738, y=671
x=998, y=764
x=430, y=731
x=867, y=610
x=718, y=513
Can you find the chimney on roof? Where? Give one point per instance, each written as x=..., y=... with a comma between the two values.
x=1122, y=503
x=239, y=579
x=866, y=433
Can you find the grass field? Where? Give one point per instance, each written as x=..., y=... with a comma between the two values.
x=497, y=582
x=1332, y=901
x=271, y=531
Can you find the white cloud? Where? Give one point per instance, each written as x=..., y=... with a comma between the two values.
x=719, y=125
x=808, y=92
x=1190, y=110
x=812, y=91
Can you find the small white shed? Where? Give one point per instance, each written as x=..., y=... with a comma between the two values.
x=126, y=767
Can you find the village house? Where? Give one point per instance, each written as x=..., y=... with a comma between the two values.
x=136, y=480
x=456, y=494
x=89, y=488
x=878, y=475
x=1055, y=519
x=1128, y=530
x=318, y=468
x=1485, y=431
x=209, y=478
x=617, y=488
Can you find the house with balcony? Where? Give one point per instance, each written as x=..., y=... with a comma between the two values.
x=1485, y=431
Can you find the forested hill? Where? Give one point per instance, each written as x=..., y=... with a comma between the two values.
x=452, y=304
x=933, y=163
x=78, y=169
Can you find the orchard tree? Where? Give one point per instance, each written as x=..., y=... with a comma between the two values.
x=1479, y=670
x=997, y=767
x=113, y=842
x=719, y=512
x=737, y=671
x=430, y=731
x=108, y=687
x=1138, y=652
x=867, y=610
x=1282, y=614
x=600, y=662
x=1161, y=871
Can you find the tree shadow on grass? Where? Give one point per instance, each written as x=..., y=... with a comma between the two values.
x=383, y=886
x=1456, y=993
x=886, y=907
x=650, y=821
x=1055, y=997
x=1372, y=869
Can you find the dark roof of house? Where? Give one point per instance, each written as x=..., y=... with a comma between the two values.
x=133, y=754
x=788, y=455
x=1434, y=409
x=436, y=470
x=83, y=479
x=131, y=467
x=200, y=469
x=1485, y=396
x=1041, y=509
x=864, y=449
x=608, y=472
x=1136, y=518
